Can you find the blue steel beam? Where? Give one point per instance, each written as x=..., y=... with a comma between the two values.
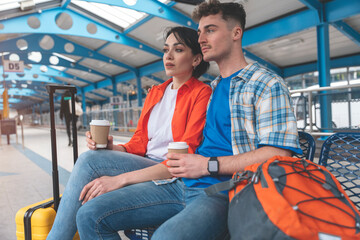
x=59, y=47
x=99, y=95
x=146, y=19
x=41, y=93
x=334, y=11
x=26, y=100
x=48, y=26
x=25, y=92
x=143, y=71
x=155, y=78
x=348, y=31
x=155, y=8
x=281, y=27
x=42, y=76
x=17, y=106
x=20, y=92
x=29, y=76
x=151, y=68
x=12, y=46
x=65, y=3
x=311, y=67
x=263, y=62
x=17, y=84
x=312, y=4
x=11, y=100
x=62, y=62
x=339, y=9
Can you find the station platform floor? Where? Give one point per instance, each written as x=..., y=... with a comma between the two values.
x=25, y=172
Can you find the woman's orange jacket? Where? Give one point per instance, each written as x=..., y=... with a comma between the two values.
x=188, y=119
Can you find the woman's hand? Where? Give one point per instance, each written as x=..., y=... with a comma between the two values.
x=100, y=186
x=91, y=143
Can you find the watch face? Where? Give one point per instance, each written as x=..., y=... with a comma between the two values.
x=213, y=166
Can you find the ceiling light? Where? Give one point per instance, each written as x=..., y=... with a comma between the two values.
x=285, y=43
x=64, y=57
x=27, y=5
x=126, y=52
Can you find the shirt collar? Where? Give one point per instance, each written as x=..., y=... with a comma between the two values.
x=188, y=84
x=245, y=74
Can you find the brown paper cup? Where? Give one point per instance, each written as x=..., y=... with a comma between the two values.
x=178, y=147
x=99, y=132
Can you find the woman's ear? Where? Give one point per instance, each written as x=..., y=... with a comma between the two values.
x=197, y=60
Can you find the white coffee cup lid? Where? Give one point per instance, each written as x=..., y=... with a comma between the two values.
x=100, y=122
x=178, y=145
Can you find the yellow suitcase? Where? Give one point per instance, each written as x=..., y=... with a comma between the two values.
x=35, y=221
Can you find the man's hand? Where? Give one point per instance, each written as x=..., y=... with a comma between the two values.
x=100, y=186
x=187, y=165
x=91, y=143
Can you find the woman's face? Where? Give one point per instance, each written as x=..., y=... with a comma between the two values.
x=178, y=58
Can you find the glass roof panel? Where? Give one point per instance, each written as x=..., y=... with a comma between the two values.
x=12, y=4
x=122, y=17
x=113, y=14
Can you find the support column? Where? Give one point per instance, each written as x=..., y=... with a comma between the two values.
x=349, y=97
x=40, y=111
x=33, y=115
x=324, y=74
x=139, y=92
x=83, y=105
x=115, y=107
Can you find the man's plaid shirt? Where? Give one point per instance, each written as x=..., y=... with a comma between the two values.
x=261, y=111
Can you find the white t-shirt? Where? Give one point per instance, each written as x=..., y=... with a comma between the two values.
x=159, y=125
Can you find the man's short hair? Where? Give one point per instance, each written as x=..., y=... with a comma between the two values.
x=234, y=11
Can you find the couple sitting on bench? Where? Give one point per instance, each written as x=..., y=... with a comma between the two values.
x=248, y=119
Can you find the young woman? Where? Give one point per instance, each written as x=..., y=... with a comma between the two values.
x=173, y=111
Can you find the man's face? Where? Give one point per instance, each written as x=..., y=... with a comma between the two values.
x=215, y=38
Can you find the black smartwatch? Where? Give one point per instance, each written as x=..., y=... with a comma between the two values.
x=213, y=166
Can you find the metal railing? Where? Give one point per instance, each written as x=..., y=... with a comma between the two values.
x=310, y=113
x=125, y=119
x=122, y=119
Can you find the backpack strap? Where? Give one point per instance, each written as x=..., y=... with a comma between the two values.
x=227, y=185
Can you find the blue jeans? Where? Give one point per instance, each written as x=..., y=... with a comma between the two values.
x=181, y=212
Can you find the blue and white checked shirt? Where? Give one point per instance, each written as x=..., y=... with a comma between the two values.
x=261, y=111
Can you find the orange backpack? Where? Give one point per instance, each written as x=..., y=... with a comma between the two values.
x=285, y=198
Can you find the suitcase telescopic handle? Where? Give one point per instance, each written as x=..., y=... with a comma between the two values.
x=51, y=88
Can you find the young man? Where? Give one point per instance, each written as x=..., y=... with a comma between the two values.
x=250, y=116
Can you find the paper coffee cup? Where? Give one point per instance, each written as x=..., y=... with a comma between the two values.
x=99, y=132
x=178, y=147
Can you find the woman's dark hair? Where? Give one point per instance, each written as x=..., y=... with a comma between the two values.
x=189, y=37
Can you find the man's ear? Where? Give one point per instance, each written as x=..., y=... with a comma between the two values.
x=237, y=33
x=197, y=60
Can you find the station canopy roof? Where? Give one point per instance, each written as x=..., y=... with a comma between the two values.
x=107, y=48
